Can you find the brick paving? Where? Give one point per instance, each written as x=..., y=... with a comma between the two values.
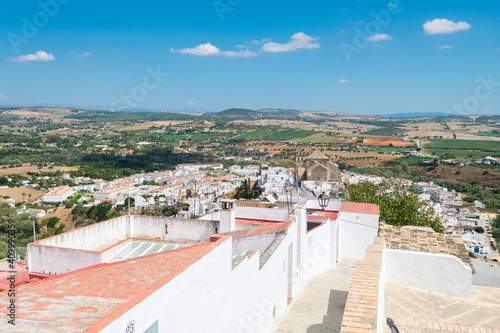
x=361, y=307
x=416, y=311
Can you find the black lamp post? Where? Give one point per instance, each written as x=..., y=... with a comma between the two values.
x=323, y=200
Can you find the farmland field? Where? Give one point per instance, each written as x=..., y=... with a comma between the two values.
x=489, y=146
x=205, y=136
x=174, y=137
x=319, y=137
x=276, y=135
x=396, y=142
x=16, y=193
x=5, y=170
x=462, y=153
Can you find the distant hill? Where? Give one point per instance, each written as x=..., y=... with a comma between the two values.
x=234, y=112
x=420, y=114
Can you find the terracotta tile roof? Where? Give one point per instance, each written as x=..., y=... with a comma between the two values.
x=361, y=208
x=422, y=239
x=92, y=298
x=317, y=155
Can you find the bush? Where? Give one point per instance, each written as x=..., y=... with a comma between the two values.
x=397, y=205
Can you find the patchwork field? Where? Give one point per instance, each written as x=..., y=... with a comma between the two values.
x=276, y=135
x=148, y=125
x=293, y=124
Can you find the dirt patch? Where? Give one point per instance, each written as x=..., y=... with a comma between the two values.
x=29, y=168
x=16, y=193
x=64, y=215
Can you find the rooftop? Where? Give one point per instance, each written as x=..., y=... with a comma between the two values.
x=360, y=208
x=317, y=155
x=420, y=311
x=91, y=298
x=422, y=239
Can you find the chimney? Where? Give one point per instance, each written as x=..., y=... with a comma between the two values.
x=227, y=216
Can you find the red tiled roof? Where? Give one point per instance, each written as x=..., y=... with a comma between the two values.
x=361, y=208
x=92, y=298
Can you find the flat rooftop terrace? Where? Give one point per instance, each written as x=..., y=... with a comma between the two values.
x=420, y=311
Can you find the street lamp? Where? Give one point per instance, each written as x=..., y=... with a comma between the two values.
x=323, y=200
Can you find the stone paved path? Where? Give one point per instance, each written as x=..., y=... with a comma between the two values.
x=320, y=306
x=419, y=311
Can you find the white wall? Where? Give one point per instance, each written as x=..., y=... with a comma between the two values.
x=356, y=232
x=437, y=273
x=82, y=247
x=91, y=237
x=178, y=229
x=54, y=260
x=219, y=298
x=317, y=252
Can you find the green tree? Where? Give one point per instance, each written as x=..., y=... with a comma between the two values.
x=398, y=206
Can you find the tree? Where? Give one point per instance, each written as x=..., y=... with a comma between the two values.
x=479, y=230
x=398, y=206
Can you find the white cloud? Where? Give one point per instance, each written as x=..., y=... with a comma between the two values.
x=201, y=50
x=81, y=55
x=262, y=41
x=298, y=41
x=379, y=37
x=190, y=103
x=393, y=5
x=39, y=56
x=445, y=47
x=211, y=50
x=240, y=54
x=344, y=81
x=3, y=97
x=444, y=26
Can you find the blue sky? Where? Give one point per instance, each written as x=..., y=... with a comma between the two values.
x=418, y=56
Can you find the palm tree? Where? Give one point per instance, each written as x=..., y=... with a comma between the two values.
x=29, y=196
x=24, y=194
